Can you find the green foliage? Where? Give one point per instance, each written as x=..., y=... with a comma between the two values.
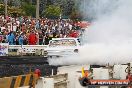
x=29, y=9
x=75, y=15
x=48, y=8
x=52, y=11
x=2, y=8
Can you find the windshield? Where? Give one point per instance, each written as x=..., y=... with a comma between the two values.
x=62, y=42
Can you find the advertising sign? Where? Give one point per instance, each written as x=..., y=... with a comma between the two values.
x=4, y=49
x=110, y=82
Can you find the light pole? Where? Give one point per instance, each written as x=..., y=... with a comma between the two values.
x=5, y=7
x=37, y=10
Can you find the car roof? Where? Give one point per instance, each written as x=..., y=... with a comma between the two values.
x=63, y=38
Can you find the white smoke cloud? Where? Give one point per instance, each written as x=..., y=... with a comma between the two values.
x=97, y=54
x=109, y=38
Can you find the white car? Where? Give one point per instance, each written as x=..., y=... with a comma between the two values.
x=62, y=47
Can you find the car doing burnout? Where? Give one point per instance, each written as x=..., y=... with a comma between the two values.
x=62, y=47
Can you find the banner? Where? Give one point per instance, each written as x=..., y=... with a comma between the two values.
x=4, y=49
x=111, y=82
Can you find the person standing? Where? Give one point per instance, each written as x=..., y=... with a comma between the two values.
x=32, y=40
x=46, y=39
x=11, y=38
x=20, y=39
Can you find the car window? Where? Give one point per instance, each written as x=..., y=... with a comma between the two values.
x=62, y=42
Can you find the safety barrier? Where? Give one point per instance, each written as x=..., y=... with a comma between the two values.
x=27, y=46
x=18, y=81
x=28, y=49
x=5, y=82
x=56, y=81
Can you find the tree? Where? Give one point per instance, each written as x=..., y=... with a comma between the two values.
x=16, y=3
x=2, y=8
x=52, y=11
x=15, y=11
x=66, y=6
x=29, y=9
x=75, y=15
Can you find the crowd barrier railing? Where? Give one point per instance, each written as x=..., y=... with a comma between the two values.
x=28, y=46
x=28, y=49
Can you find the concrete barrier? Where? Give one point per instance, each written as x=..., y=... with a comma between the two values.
x=57, y=81
x=5, y=82
x=119, y=71
x=28, y=49
x=18, y=81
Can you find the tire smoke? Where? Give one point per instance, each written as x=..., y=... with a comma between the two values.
x=109, y=38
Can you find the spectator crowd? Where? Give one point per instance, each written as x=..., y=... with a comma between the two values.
x=31, y=31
